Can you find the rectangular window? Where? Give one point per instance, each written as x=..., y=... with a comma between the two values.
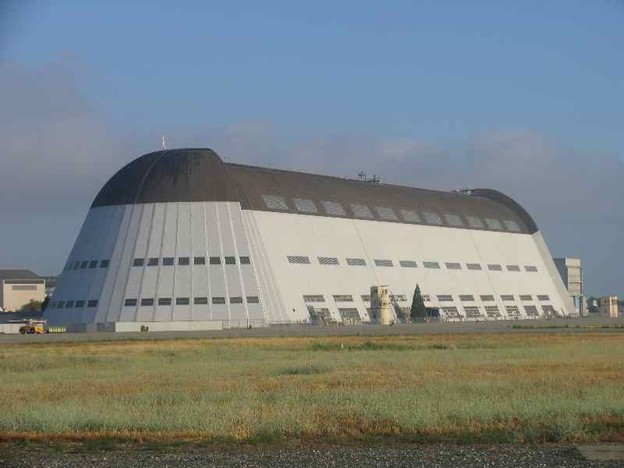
x=328, y=260
x=356, y=262
x=492, y=311
x=80, y=304
x=366, y=298
x=70, y=304
x=236, y=300
x=298, y=259
x=434, y=265
x=305, y=206
x=184, y=261
x=333, y=208
x=273, y=202
x=182, y=301
x=451, y=312
x=93, y=264
x=215, y=260
x=507, y=297
x=494, y=267
x=350, y=315
x=445, y=298
x=361, y=211
x=92, y=303
x=472, y=312
x=408, y=264
x=386, y=213
x=245, y=260
x=168, y=261
x=84, y=265
x=23, y=287
x=152, y=261
x=253, y=300
x=526, y=297
x=530, y=268
x=494, y=224
x=164, y=301
x=473, y=266
x=432, y=218
x=343, y=298
x=137, y=262
x=147, y=302
x=218, y=300
x=543, y=297
x=410, y=216
x=230, y=260
x=453, y=266
x=513, y=268
x=453, y=220
x=549, y=310
x=511, y=225
x=466, y=298
x=314, y=298
x=487, y=298
x=200, y=301
x=60, y=304
x=383, y=263
x=531, y=311
x=130, y=302
x=475, y=222
x=512, y=311
x=104, y=263
x=398, y=297
x=199, y=260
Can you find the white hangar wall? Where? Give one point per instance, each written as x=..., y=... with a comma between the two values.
x=103, y=282
x=284, y=235
x=160, y=262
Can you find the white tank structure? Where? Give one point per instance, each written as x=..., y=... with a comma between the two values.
x=381, y=308
x=179, y=239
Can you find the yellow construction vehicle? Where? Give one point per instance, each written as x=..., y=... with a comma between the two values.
x=32, y=327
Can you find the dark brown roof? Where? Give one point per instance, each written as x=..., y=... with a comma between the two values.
x=18, y=275
x=200, y=175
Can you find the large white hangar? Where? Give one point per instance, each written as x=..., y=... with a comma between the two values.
x=179, y=239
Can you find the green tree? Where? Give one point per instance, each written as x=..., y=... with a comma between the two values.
x=32, y=306
x=418, y=310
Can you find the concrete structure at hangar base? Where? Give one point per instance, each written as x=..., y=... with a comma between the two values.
x=179, y=240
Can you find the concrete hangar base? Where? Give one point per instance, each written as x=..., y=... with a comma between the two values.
x=180, y=240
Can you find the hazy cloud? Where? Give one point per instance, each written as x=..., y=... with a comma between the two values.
x=52, y=145
x=56, y=152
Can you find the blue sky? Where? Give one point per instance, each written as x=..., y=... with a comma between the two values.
x=427, y=93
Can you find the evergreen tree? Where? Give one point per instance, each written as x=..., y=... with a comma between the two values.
x=418, y=310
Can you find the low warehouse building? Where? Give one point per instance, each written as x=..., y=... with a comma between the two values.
x=179, y=236
x=18, y=288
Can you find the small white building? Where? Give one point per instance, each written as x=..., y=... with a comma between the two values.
x=18, y=288
x=609, y=306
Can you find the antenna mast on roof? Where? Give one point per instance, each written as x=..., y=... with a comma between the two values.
x=164, y=142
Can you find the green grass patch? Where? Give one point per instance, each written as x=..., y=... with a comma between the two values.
x=521, y=388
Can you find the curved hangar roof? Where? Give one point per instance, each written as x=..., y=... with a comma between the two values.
x=184, y=175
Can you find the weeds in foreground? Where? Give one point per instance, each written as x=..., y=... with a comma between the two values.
x=462, y=388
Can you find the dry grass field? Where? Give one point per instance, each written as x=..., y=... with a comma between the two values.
x=463, y=388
